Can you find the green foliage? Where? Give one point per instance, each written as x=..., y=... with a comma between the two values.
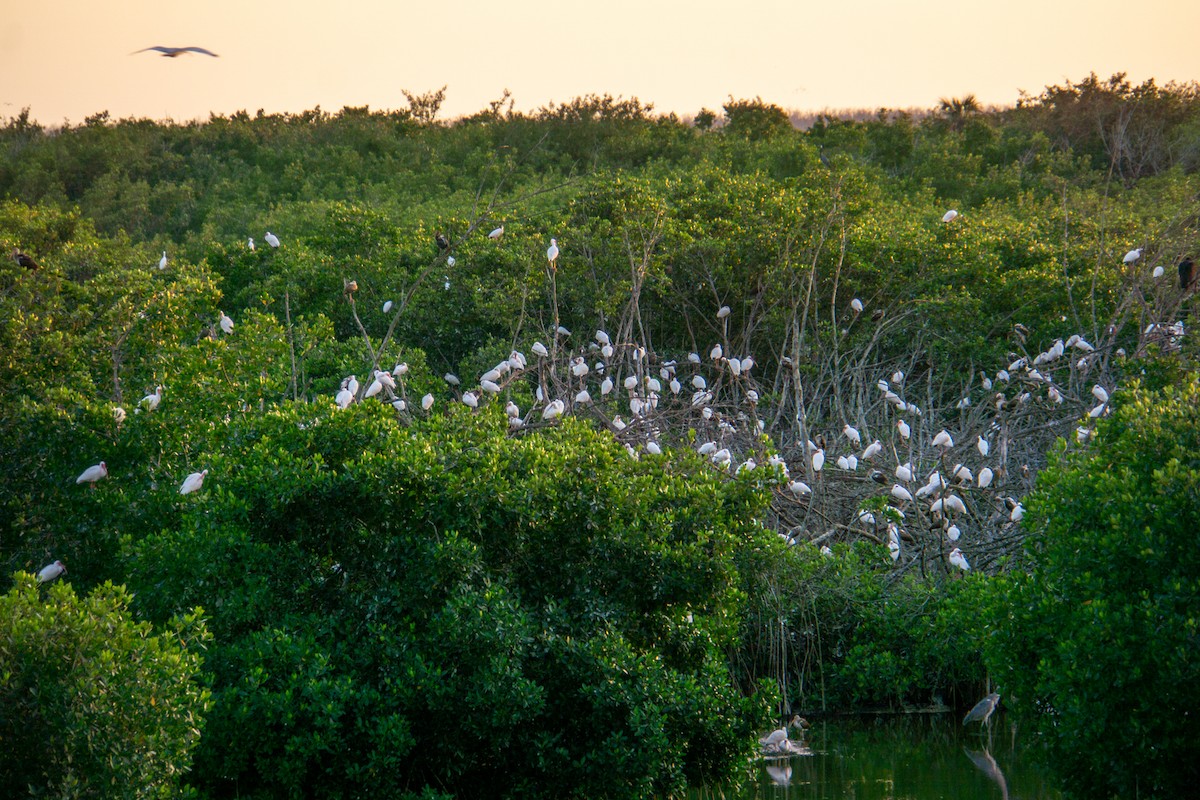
x=1095, y=647
x=92, y=702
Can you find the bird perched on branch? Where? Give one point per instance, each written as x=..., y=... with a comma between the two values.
x=1187, y=274
x=28, y=263
x=442, y=242
x=51, y=571
x=175, y=52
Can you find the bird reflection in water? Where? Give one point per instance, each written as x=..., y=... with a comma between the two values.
x=984, y=762
x=780, y=773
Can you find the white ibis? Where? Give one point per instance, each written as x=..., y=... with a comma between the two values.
x=561, y=331
x=722, y=312
x=983, y=446
x=250, y=243
x=653, y=449
x=225, y=322
x=985, y=477
x=552, y=252
x=272, y=239
x=602, y=338
x=400, y=369
x=950, y=216
x=953, y=533
x=451, y=379
x=873, y=449
x=857, y=305
x=491, y=387
x=554, y=409
x=606, y=386
x=93, y=474
x=540, y=349
x=699, y=382
x=162, y=262
x=119, y=415
x=470, y=400
x=496, y=234
x=903, y=428
x=512, y=409
x=387, y=306
x=344, y=398
x=175, y=52
x=427, y=402
x=352, y=385
x=959, y=560
x=51, y=571
x=818, y=460
x=943, y=439
x=1100, y=393
x=716, y=353
x=962, y=473
x=1158, y=272
x=450, y=262
x=193, y=482
x=151, y=401
x=1132, y=256
x=1018, y=513
x=900, y=493
x=904, y=472
x=852, y=434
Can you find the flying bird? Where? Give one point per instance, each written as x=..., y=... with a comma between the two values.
x=175, y=52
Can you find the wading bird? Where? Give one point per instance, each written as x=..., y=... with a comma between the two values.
x=777, y=742
x=51, y=571
x=552, y=252
x=151, y=401
x=496, y=234
x=193, y=482
x=93, y=474
x=225, y=322
x=983, y=710
x=175, y=52
x=272, y=239
x=949, y=216
x=162, y=262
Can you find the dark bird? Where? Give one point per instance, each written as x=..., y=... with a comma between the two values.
x=983, y=710
x=175, y=52
x=1187, y=273
x=442, y=242
x=28, y=263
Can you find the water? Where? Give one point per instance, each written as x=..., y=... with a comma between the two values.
x=914, y=757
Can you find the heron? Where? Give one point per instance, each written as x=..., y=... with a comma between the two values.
x=777, y=742
x=225, y=322
x=983, y=710
x=175, y=52
x=152, y=400
x=162, y=262
x=552, y=252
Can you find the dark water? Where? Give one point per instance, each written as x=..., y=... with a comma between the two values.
x=915, y=757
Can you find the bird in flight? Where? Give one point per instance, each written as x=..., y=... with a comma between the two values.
x=175, y=52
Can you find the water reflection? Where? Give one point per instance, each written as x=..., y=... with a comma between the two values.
x=916, y=757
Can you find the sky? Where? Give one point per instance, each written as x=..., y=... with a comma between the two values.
x=68, y=59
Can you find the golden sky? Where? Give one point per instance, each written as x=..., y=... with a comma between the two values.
x=66, y=59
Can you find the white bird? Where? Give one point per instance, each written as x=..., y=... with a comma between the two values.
x=552, y=252
x=1158, y=272
x=512, y=409
x=1098, y=411
x=470, y=400
x=554, y=409
x=843, y=463
x=352, y=385
x=699, y=382
x=606, y=386
x=943, y=439
x=857, y=305
x=272, y=239
x=540, y=349
x=715, y=353
x=1100, y=393
x=50, y=572
x=451, y=379
x=904, y=472
x=898, y=377
x=561, y=331
x=777, y=742
x=985, y=478
x=93, y=473
x=818, y=460
x=963, y=473
x=653, y=449
x=579, y=368
x=151, y=401
x=631, y=382
x=902, y=426
x=872, y=450
x=953, y=533
x=427, y=402
x=119, y=415
x=343, y=398
x=450, y=262
x=852, y=434
x=1132, y=256
x=490, y=386
x=676, y=386
x=893, y=542
x=949, y=216
x=1018, y=513
x=722, y=312
x=496, y=234
x=400, y=369
x=162, y=262
x=694, y=358
x=250, y=243
x=225, y=322
x=983, y=446
x=387, y=306
x=193, y=482
x=959, y=560
x=583, y=397
x=799, y=488
x=900, y=493
x=375, y=388
x=955, y=503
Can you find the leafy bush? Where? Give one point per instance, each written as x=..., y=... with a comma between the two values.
x=93, y=703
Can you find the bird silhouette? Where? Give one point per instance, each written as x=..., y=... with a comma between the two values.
x=175, y=52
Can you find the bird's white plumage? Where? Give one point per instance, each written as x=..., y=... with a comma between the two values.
x=93, y=473
x=193, y=482
x=272, y=239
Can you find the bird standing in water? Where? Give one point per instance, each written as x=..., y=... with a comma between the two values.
x=983, y=710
